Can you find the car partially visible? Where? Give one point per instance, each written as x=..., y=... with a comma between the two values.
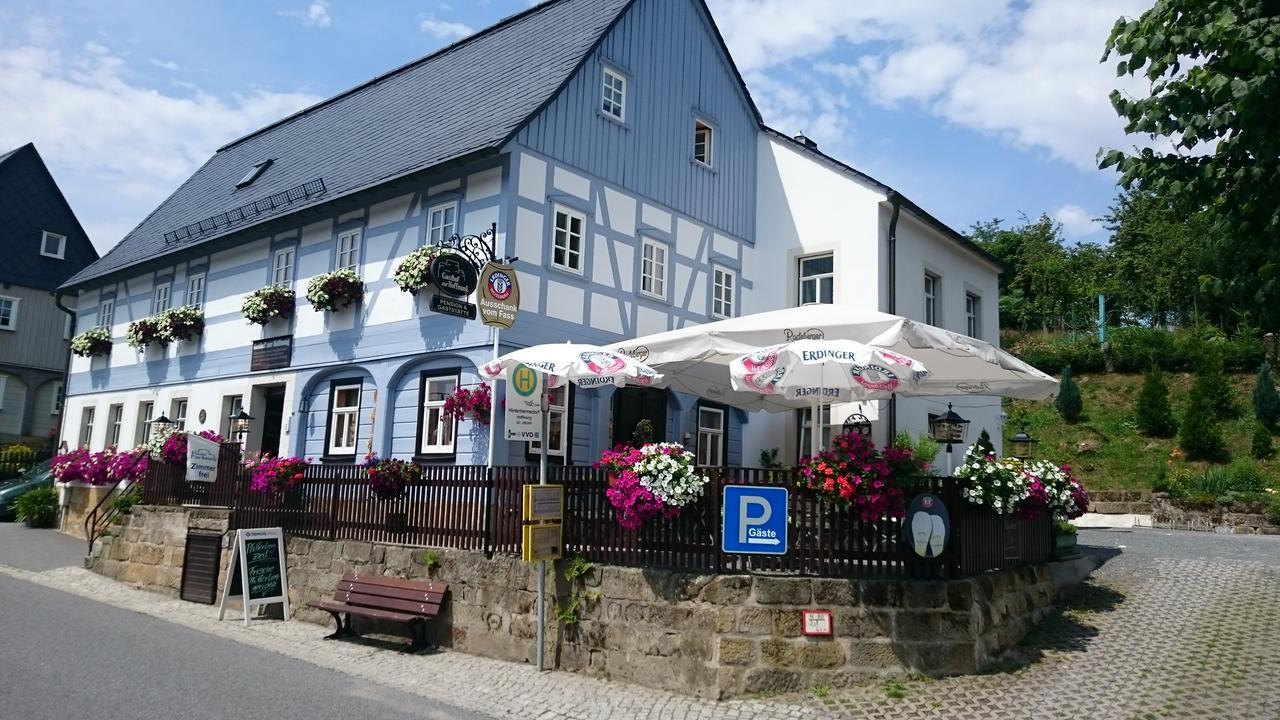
x=10, y=490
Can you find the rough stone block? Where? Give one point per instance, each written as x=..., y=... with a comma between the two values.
x=624, y=584
x=924, y=594
x=913, y=626
x=724, y=619
x=695, y=646
x=873, y=653
x=860, y=623
x=727, y=590
x=835, y=592
x=783, y=591
x=148, y=554
x=736, y=651
x=939, y=659
x=755, y=621
x=960, y=594
x=880, y=593
x=778, y=652
x=821, y=653
x=356, y=551
x=378, y=554
x=786, y=623
x=769, y=680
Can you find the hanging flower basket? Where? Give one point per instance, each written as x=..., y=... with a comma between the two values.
x=172, y=448
x=276, y=475
x=181, y=323
x=856, y=474
x=269, y=303
x=80, y=465
x=389, y=477
x=130, y=465
x=470, y=403
x=1011, y=485
x=413, y=274
x=143, y=333
x=652, y=480
x=94, y=342
x=335, y=290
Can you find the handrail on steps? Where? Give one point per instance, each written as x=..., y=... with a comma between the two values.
x=96, y=521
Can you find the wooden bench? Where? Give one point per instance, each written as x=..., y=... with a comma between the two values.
x=385, y=598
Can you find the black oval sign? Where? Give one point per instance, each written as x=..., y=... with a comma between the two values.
x=454, y=275
x=927, y=525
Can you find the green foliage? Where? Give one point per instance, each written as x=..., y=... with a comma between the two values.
x=1063, y=527
x=1266, y=401
x=37, y=508
x=1245, y=477
x=1200, y=433
x=1261, y=447
x=125, y=501
x=1069, y=402
x=1155, y=416
x=984, y=443
x=1136, y=349
x=429, y=559
x=895, y=689
x=1214, y=75
x=577, y=568
x=570, y=613
x=1217, y=483
x=769, y=459
x=1273, y=509
x=924, y=449
x=1218, y=395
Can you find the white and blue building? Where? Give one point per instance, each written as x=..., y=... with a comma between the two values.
x=616, y=150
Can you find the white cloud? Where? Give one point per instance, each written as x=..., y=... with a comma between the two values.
x=165, y=64
x=316, y=14
x=116, y=147
x=444, y=29
x=1077, y=223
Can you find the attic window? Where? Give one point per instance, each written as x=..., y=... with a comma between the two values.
x=53, y=245
x=253, y=173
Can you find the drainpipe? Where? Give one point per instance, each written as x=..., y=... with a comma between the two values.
x=893, y=295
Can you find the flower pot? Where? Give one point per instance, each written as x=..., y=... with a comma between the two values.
x=1064, y=546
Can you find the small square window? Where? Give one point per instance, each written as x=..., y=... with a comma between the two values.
x=53, y=245
x=442, y=223
x=282, y=267
x=9, y=313
x=724, y=281
x=349, y=251
x=566, y=250
x=817, y=279
x=614, y=101
x=703, y=136
x=653, y=269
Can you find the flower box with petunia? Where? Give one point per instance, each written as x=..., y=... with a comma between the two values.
x=335, y=290
x=181, y=323
x=269, y=303
x=414, y=273
x=389, y=477
x=1022, y=488
x=94, y=342
x=853, y=472
x=276, y=475
x=656, y=479
x=143, y=333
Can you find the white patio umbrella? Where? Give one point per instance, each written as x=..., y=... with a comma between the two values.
x=696, y=359
x=586, y=366
x=810, y=372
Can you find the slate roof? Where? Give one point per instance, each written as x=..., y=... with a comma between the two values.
x=466, y=98
x=914, y=209
x=30, y=203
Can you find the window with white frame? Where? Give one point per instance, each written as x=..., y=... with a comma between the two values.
x=442, y=223
x=195, y=290
x=817, y=279
x=142, y=430
x=724, y=284
x=9, y=312
x=438, y=431
x=160, y=299
x=106, y=313
x=86, y=425
x=115, y=414
x=348, y=250
x=972, y=315
x=231, y=407
x=806, y=428
x=282, y=267
x=703, y=136
x=931, y=283
x=55, y=403
x=614, y=100
x=566, y=243
x=178, y=413
x=53, y=245
x=711, y=427
x=653, y=268
x=558, y=416
x=344, y=412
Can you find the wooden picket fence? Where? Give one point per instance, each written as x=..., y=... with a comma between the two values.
x=471, y=507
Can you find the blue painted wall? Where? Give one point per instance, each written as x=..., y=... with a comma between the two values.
x=674, y=69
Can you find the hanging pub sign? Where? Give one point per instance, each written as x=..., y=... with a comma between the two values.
x=449, y=306
x=499, y=295
x=453, y=275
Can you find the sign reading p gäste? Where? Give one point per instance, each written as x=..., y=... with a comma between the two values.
x=754, y=520
x=524, y=404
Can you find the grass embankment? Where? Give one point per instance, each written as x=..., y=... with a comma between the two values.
x=1106, y=449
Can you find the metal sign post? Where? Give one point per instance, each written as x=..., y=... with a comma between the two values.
x=542, y=564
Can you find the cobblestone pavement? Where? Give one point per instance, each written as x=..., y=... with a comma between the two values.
x=1176, y=625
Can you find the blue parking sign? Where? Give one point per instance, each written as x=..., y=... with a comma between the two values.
x=754, y=520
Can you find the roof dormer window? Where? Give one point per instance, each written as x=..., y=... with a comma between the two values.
x=53, y=245
x=253, y=173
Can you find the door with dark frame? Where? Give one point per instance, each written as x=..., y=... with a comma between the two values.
x=272, y=419
x=632, y=406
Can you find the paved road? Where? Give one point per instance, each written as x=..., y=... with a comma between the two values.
x=1174, y=625
x=38, y=550
x=63, y=656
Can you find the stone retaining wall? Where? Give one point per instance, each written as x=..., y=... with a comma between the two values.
x=1120, y=502
x=1235, y=519
x=714, y=636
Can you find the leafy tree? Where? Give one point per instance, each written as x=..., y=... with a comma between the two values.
x=1155, y=417
x=1262, y=449
x=1156, y=257
x=1214, y=69
x=1266, y=401
x=984, y=443
x=1221, y=400
x=1200, y=433
x=1069, y=402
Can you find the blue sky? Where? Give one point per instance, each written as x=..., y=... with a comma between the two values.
x=973, y=108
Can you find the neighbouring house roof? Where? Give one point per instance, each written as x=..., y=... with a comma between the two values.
x=464, y=99
x=31, y=203
x=906, y=203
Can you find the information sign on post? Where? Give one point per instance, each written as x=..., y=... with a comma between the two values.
x=542, y=542
x=524, y=404
x=257, y=571
x=543, y=503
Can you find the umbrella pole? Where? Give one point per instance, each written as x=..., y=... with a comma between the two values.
x=542, y=564
x=815, y=426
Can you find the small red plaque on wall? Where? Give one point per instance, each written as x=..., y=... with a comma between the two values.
x=815, y=622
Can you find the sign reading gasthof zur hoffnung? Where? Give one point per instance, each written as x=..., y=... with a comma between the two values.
x=524, y=404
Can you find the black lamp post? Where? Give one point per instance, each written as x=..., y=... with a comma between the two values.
x=162, y=426
x=240, y=425
x=857, y=423
x=1020, y=444
x=948, y=428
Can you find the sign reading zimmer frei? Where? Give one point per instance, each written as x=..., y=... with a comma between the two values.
x=257, y=571
x=754, y=520
x=202, y=459
x=524, y=404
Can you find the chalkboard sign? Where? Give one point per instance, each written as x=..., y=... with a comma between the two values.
x=258, y=565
